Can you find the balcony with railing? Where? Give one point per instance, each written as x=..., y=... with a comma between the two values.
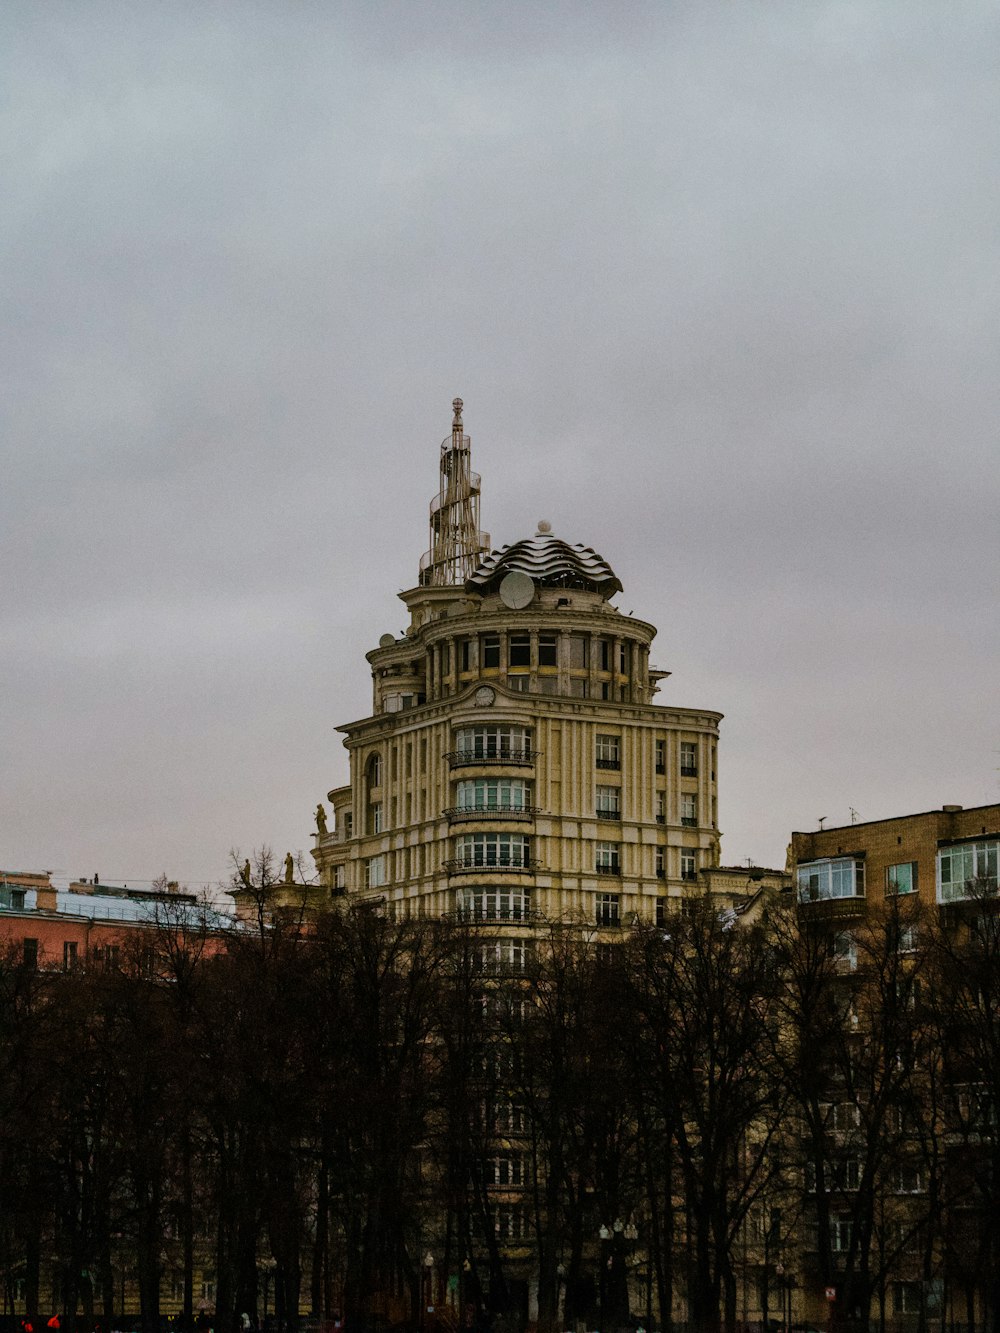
x=503, y=755
x=464, y=814
x=833, y=909
x=502, y=865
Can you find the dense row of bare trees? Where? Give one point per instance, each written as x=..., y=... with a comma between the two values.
x=319, y=1107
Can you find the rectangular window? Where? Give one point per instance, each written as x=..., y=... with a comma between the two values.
x=968, y=870
x=622, y=660
x=465, y=655
x=493, y=794
x=689, y=869
x=909, y=1179
x=906, y=1297
x=660, y=862
x=547, y=650
x=339, y=877
x=609, y=752
x=503, y=956
x=519, y=650
x=375, y=817
x=69, y=955
x=608, y=909
x=901, y=878
x=510, y=1222
x=30, y=953
x=661, y=912
x=375, y=872
x=606, y=647
x=579, y=652
x=908, y=939
x=506, y=1169
x=607, y=802
x=840, y=877
x=843, y=1117
x=689, y=759
x=519, y=684
x=976, y=1109
x=445, y=659
x=490, y=652
x=661, y=756
x=499, y=850
x=661, y=807
x=841, y=1229
x=493, y=742
x=608, y=859
x=506, y=1117
x=689, y=810
x=844, y=950
x=494, y=905
x=847, y=1174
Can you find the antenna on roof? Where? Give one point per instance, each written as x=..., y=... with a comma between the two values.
x=821, y=820
x=854, y=814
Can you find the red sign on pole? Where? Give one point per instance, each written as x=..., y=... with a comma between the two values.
x=831, y=1293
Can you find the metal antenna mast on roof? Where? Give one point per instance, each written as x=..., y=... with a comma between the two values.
x=457, y=545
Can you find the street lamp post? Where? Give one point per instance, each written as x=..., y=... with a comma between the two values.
x=613, y=1291
x=267, y=1267
x=427, y=1300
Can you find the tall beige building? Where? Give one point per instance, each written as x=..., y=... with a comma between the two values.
x=515, y=765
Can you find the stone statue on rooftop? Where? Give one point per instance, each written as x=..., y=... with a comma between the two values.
x=321, y=820
x=245, y=873
x=289, y=869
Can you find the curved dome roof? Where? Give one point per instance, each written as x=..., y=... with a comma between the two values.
x=550, y=563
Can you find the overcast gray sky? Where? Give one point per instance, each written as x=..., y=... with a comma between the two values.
x=719, y=286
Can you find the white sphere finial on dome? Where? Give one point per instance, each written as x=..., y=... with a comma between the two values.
x=544, y=526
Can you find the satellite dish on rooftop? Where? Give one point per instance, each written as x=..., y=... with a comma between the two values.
x=387, y=640
x=517, y=590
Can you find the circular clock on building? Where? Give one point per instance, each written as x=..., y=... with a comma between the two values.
x=484, y=696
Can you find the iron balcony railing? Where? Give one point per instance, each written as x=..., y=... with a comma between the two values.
x=501, y=755
x=460, y=865
x=464, y=813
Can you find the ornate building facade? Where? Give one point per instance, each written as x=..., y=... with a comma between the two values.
x=516, y=764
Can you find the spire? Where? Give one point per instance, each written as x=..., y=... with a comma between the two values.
x=457, y=546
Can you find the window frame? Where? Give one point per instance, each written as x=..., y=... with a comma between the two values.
x=608, y=909
x=892, y=882
x=608, y=857
x=982, y=858
x=838, y=872
x=608, y=751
